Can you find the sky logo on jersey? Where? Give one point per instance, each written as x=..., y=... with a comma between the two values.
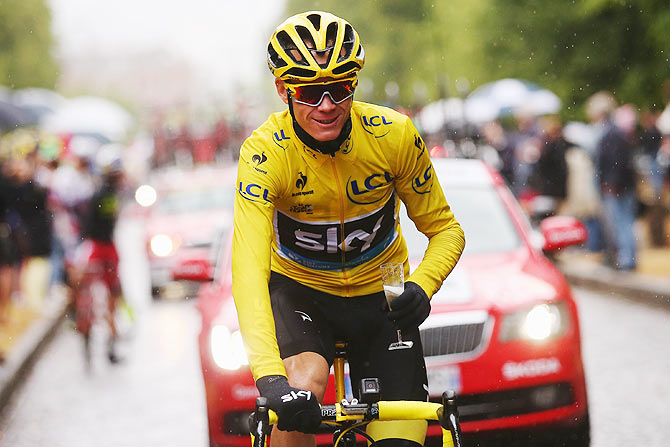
x=424, y=183
x=375, y=124
x=360, y=191
x=280, y=139
x=326, y=245
x=253, y=192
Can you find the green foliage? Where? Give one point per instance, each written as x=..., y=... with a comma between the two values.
x=25, y=44
x=572, y=47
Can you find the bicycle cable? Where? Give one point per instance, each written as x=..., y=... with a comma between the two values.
x=355, y=430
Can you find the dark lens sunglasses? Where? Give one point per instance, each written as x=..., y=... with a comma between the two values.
x=313, y=94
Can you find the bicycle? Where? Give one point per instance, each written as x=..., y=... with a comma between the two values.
x=93, y=303
x=347, y=416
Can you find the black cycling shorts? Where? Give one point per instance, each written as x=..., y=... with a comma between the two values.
x=308, y=320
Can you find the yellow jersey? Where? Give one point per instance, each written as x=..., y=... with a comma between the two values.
x=330, y=221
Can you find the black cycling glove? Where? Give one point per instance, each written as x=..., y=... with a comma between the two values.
x=297, y=410
x=410, y=308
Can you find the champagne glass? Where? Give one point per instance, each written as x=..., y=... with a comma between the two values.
x=393, y=282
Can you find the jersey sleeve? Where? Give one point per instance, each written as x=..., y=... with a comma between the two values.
x=422, y=195
x=251, y=251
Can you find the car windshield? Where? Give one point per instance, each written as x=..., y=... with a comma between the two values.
x=179, y=202
x=484, y=219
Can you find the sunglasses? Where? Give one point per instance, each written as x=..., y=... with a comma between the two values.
x=313, y=94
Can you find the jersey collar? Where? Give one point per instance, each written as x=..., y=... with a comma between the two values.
x=316, y=158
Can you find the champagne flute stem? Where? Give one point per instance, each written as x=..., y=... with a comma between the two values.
x=399, y=335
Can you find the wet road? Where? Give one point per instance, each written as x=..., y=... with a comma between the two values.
x=156, y=397
x=626, y=351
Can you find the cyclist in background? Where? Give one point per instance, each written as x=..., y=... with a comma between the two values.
x=97, y=249
x=316, y=214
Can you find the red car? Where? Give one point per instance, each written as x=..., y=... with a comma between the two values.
x=186, y=211
x=503, y=331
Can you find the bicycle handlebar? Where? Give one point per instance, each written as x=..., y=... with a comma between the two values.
x=400, y=410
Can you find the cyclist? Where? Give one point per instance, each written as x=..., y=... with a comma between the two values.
x=97, y=249
x=316, y=214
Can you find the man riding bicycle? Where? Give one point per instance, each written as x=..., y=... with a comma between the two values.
x=316, y=213
x=97, y=254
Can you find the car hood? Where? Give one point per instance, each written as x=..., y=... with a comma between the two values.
x=190, y=227
x=502, y=280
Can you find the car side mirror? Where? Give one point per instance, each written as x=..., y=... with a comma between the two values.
x=198, y=270
x=562, y=231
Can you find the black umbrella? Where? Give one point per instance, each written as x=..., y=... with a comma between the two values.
x=13, y=116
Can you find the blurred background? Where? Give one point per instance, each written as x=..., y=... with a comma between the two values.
x=169, y=90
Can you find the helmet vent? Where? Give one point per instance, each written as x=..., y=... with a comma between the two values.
x=300, y=72
x=291, y=49
x=306, y=37
x=344, y=68
x=347, y=44
x=316, y=20
x=274, y=58
x=331, y=34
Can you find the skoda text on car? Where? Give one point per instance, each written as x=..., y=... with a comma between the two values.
x=186, y=210
x=503, y=331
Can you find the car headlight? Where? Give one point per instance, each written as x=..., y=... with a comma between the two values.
x=162, y=245
x=145, y=195
x=540, y=322
x=227, y=348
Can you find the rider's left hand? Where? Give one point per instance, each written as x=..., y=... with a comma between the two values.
x=410, y=308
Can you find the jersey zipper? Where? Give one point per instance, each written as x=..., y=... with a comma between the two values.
x=340, y=196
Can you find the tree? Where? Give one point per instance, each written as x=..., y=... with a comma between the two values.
x=572, y=48
x=581, y=47
x=397, y=45
x=25, y=44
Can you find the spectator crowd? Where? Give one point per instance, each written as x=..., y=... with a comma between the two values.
x=46, y=183
x=612, y=173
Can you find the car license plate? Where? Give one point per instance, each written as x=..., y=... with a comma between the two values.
x=444, y=378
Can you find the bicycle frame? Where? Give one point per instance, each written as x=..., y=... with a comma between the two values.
x=349, y=415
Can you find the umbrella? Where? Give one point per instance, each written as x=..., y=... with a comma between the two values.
x=433, y=116
x=39, y=101
x=13, y=116
x=506, y=96
x=90, y=115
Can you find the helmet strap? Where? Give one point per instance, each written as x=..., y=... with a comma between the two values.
x=325, y=147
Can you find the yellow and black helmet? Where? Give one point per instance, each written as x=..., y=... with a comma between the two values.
x=314, y=45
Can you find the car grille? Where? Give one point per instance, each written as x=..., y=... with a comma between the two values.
x=498, y=404
x=451, y=334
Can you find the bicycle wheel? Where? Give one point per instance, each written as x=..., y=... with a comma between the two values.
x=84, y=320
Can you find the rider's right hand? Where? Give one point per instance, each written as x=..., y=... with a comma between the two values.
x=297, y=410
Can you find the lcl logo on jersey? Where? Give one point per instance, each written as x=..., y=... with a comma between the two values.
x=280, y=139
x=375, y=124
x=359, y=191
x=253, y=192
x=424, y=182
